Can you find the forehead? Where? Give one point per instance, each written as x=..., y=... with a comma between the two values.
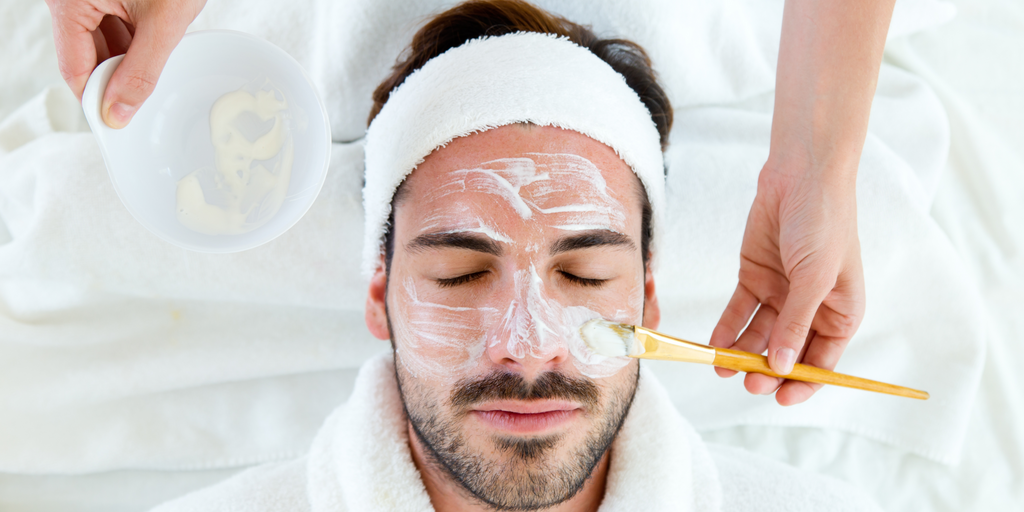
x=544, y=164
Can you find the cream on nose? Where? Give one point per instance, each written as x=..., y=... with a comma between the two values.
x=529, y=333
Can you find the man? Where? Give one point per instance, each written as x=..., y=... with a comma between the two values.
x=518, y=426
x=514, y=185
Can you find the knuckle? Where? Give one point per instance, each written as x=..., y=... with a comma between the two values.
x=818, y=279
x=797, y=329
x=748, y=274
x=774, y=301
x=836, y=345
x=65, y=72
x=735, y=312
x=73, y=79
x=844, y=326
x=758, y=334
x=139, y=82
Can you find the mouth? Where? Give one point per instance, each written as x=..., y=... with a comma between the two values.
x=536, y=417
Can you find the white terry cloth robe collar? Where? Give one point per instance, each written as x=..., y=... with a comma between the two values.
x=657, y=459
x=360, y=461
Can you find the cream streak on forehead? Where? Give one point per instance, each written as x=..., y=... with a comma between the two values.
x=561, y=190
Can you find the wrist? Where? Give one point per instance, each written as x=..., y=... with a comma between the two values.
x=835, y=170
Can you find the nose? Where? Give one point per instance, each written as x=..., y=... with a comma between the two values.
x=530, y=337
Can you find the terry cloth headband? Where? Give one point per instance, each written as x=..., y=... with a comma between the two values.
x=497, y=81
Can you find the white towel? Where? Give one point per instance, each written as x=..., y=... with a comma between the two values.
x=120, y=351
x=360, y=461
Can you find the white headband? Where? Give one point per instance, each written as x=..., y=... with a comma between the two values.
x=497, y=81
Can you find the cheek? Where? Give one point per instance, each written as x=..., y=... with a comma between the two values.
x=436, y=341
x=423, y=396
x=621, y=300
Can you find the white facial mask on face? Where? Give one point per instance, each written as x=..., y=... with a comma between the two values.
x=560, y=191
x=536, y=186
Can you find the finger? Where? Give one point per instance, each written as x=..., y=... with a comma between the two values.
x=722, y=372
x=790, y=331
x=116, y=34
x=793, y=392
x=734, y=318
x=835, y=322
x=755, y=337
x=136, y=76
x=760, y=384
x=737, y=312
x=825, y=351
x=756, y=383
x=75, y=45
x=100, y=42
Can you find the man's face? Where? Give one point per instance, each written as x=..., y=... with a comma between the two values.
x=505, y=242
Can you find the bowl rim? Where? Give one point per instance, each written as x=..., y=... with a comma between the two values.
x=92, y=102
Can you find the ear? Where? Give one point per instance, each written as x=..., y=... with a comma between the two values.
x=376, y=313
x=652, y=312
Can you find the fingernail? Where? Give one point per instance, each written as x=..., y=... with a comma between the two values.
x=784, y=359
x=119, y=115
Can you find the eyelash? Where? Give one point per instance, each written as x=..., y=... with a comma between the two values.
x=460, y=280
x=468, y=278
x=582, y=281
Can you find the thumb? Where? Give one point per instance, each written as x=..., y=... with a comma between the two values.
x=790, y=331
x=136, y=76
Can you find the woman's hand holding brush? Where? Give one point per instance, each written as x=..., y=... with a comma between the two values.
x=800, y=258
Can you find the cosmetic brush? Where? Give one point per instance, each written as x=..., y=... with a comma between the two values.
x=616, y=340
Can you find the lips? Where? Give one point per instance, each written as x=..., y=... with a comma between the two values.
x=527, y=417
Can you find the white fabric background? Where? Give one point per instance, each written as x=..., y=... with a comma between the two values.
x=978, y=205
x=119, y=353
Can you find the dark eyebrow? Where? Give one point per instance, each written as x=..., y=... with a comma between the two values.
x=588, y=239
x=471, y=241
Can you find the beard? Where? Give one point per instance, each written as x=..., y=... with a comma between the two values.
x=527, y=473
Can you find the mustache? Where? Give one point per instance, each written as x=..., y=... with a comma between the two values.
x=512, y=386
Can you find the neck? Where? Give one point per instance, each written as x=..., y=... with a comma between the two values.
x=447, y=495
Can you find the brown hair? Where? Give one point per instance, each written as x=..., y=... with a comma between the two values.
x=477, y=18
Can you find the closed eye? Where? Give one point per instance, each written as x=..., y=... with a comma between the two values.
x=582, y=281
x=452, y=282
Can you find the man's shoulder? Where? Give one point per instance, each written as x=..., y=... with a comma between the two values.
x=273, y=487
x=754, y=482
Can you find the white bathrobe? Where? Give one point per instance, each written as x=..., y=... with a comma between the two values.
x=360, y=461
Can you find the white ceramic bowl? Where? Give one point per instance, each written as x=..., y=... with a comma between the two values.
x=169, y=137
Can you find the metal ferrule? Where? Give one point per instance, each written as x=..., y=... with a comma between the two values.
x=660, y=346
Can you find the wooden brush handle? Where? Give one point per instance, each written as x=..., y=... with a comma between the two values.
x=747, y=362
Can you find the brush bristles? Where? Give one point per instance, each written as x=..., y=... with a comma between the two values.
x=608, y=338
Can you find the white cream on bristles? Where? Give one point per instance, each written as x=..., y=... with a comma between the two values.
x=249, y=180
x=610, y=339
